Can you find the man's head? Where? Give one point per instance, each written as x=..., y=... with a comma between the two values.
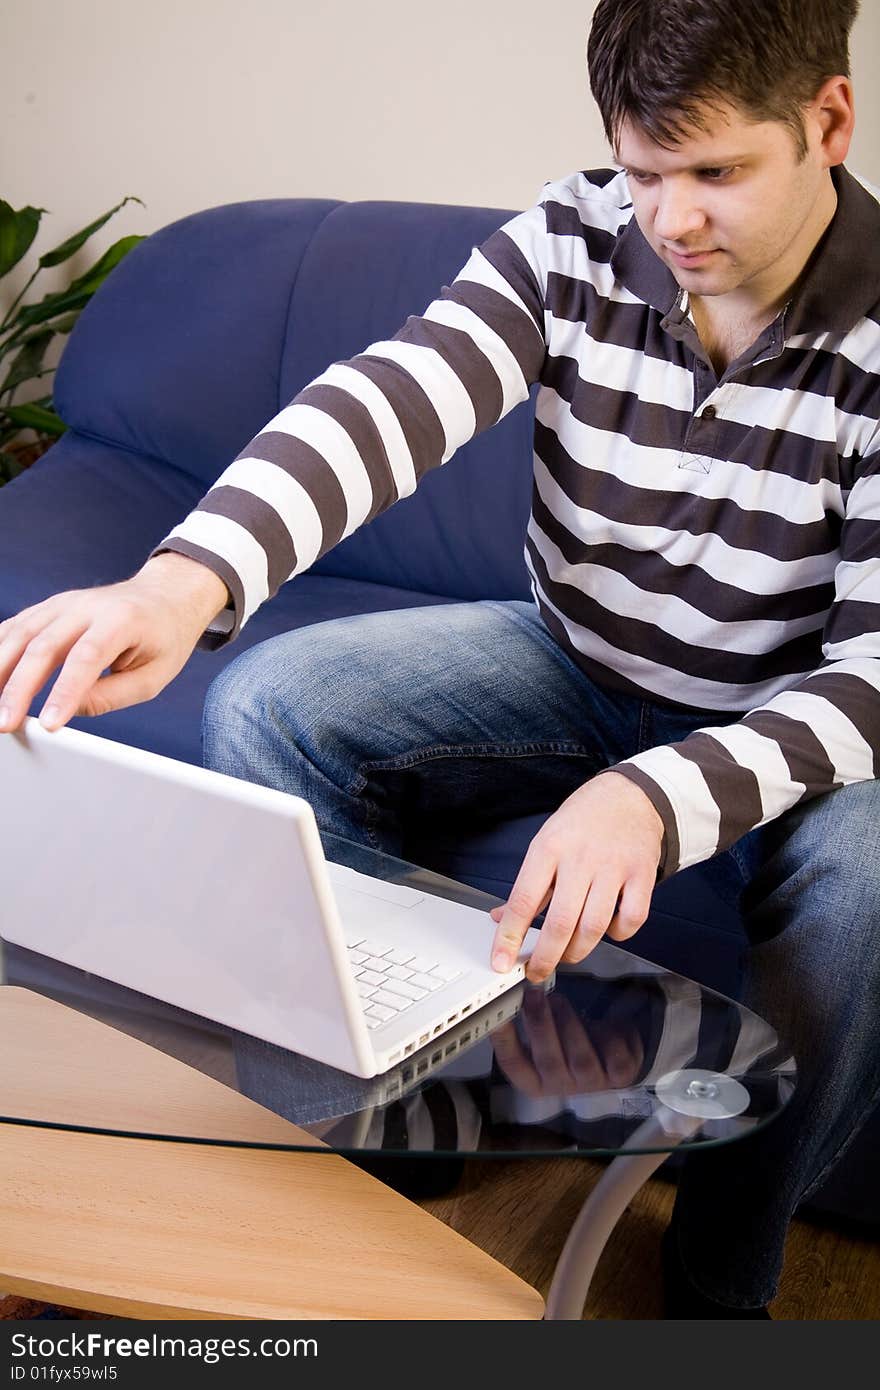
x=663, y=64
x=727, y=118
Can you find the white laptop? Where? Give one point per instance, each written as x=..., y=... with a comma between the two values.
x=214, y=895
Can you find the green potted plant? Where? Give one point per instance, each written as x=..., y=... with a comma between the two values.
x=28, y=328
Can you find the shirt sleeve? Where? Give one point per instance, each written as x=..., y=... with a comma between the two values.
x=364, y=433
x=821, y=733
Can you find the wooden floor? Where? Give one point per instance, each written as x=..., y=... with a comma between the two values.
x=521, y=1212
x=503, y=1206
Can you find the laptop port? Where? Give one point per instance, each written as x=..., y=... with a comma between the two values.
x=435, y=1056
x=452, y=1018
x=451, y=1048
x=423, y=1066
x=408, y=1049
x=423, y=1039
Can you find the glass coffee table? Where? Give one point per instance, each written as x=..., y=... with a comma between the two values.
x=618, y=1059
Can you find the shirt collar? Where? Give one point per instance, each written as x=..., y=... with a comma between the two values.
x=840, y=282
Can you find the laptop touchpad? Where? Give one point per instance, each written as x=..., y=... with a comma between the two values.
x=343, y=878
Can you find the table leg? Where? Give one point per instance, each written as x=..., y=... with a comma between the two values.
x=604, y=1207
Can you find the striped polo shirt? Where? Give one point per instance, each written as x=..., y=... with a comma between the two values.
x=702, y=541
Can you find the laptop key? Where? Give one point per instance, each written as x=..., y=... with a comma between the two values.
x=370, y=977
x=406, y=989
x=399, y=972
x=375, y=948
x=375, y=963
x=378, y=1011
x=358, y=957
x=397, y=957
x=365, y=990
x=426, y=981
x=422, y=963
x=389, y=1000
x=446, y=972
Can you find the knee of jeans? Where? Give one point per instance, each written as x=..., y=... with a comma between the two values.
x=232, y=704
x=837, y=838
x=273, y=702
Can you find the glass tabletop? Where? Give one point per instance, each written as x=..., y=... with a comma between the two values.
x=617, y=1054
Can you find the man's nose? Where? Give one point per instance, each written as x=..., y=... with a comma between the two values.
x=678, y=214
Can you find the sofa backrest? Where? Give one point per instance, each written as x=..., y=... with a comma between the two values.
x=214, y=323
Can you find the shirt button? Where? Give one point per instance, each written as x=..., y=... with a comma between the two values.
x=709, y=413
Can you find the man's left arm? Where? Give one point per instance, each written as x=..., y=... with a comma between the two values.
x=818, y=735
x=595, y=862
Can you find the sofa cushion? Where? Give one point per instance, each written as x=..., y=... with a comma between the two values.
x=462, y=533
x=177, y=356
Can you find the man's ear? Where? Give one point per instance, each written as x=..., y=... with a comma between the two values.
x=831, y=119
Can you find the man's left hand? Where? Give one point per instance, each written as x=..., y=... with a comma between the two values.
x=593, y=866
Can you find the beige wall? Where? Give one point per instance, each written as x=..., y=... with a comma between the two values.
x=191, y=103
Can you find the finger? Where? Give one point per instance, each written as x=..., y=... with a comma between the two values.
x=560, y=923
x=93, y=653
x=496, y=913
x=33, y=662
x=543, y=1039
x=634, y=905
x=527, y=897
x=622, y=1055
x=118, y=691
x=514, y=1061
x=598, y=912
x=584, y=1064
x=15, y=634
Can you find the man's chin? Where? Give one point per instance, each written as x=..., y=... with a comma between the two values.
x=704, y=282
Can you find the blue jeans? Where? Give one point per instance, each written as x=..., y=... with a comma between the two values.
x=473, y=708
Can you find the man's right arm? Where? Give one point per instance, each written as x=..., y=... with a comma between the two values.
x=141, y=632
x=353, y=442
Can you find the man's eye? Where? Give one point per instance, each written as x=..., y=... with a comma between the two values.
x=717, y=175
x=639, y=178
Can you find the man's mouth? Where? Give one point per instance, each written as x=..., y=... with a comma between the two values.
x=689, y=259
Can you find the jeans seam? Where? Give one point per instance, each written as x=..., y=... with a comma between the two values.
x=824, y=1172
x=435, y=752
x=644, y=738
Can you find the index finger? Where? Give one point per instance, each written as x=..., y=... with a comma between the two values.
x=93, y=653
x=529, y=895
x=29, y=652
x=82, y=655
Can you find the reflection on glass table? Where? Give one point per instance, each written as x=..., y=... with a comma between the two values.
x=616, y=1058
x=574, y=1068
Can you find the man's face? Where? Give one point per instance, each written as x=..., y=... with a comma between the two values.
x=729, y=206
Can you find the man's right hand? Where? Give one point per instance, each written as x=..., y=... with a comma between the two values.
x=141, y=631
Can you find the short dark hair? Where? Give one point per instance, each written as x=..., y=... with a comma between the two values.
x=662, y=63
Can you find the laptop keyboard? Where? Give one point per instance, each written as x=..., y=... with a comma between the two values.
x=389, y=979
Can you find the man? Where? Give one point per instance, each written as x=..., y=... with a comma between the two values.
x=704, y=543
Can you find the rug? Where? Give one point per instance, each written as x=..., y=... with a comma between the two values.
x=15, y=1309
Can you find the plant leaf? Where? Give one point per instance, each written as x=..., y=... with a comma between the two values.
x=72, y=245
x=9, y=468
x=78, y=292
x=28, y=361
x=17, y=231
x=34, y=416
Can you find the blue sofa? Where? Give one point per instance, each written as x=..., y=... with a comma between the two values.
x=197, y=339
